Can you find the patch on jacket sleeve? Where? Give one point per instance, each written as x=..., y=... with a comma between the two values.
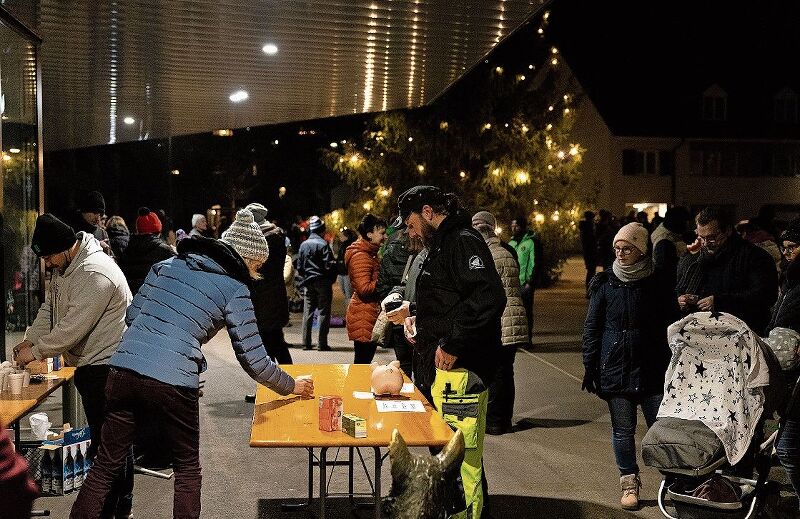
x=475, y=263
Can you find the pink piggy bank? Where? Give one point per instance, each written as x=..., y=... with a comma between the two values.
x=388, y=379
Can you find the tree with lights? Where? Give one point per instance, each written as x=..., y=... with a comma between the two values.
x=510, y=152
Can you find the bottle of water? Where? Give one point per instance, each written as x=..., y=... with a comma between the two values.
x=57, y=486
x=47, y=473
x=78, y=468
x=69, y=471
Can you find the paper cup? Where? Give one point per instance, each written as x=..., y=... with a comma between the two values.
x=2, y=380
x=15, y=383
x=26, y=381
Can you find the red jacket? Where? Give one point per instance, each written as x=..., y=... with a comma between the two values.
x=17, y=490
x=362, y=263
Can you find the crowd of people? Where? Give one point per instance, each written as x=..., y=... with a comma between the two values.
x=436, y=285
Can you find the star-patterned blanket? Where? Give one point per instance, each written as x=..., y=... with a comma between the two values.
x=716, y=375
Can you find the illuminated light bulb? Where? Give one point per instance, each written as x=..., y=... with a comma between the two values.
x=270, y=49
x=281, y=191
x=530, y=67
x=411, y=139
x=522, y=177
x=444, y=125
x=554, y=50
x=554, y=61
x=384, y=192
x=6, y=157
x=535, y=202
x=223, y=133
x=506, y=125
x=344, y=141
x=334, y=145
x=549, y=166
x=566, y=111
x=129, y=120
x=546, y=15
x=175, y=172
x=524, y=128
x=238, y=96
x=499, y=70
x=341, y=159
x=540, y=31
x=520, y=77
x=421, y=168
x=498, y=230
x=550, y=108
x=367, y=205
x=560, y=154
x=14, y=150
x=566, y=97
x=549, y=127
x=275, y=142
x=555, y=216
x=381, y=154
x=538, y=218
x=487, y=126
x=354, y=158
x=573, y=150
x=496, y=172
x=462, y=174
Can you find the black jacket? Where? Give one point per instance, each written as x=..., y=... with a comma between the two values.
x=460, y=300
x=393, y=264
x=786, y=312
x=143, y=251
x=315, y=260
x=269, y=294
x=118, y=238
x=741, y=277
x=625, y=334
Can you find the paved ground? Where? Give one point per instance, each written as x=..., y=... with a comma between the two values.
x=557, y=463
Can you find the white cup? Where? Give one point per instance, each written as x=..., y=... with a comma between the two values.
x=15, y=383
x=2, y=380
x=26, y=381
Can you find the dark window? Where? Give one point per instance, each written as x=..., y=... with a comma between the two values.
x=715, y=106
x=786, y=107
x=666, y=163
x=647, y=162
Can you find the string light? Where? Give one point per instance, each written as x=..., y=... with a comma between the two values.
x=506, y=125
x=535, y=202
x=341, y=159
x=560, y=154
x=554, y=61
x=334, y=145
x=522, y=177
x=538, y=218
x=550, y=109
x=520, y=77
x=354, y=158
x=421, y=168
x=487, y=126
x=573, y=150
x=367, y=205
x=549, y=166
x=546, y=15
x=554, y=50
x=540, y=31
x=549, y=126
x=531, y=67
x=498, y=69
x=498, y=230
x=566, y=111
x=496, y=172
x=384, y=192
x=444, y=125
x=411, y=139
x=555, y=216
x=566, y=97
x=524, y=128
x=462, y=174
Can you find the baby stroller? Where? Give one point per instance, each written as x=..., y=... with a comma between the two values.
x=723, y=381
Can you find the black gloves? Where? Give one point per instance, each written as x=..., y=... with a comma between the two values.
x=591, y=381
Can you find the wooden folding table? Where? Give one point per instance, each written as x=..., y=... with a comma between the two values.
x=289, y=421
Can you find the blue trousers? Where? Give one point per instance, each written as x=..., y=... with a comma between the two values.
x=788, y=449
x=623, y=426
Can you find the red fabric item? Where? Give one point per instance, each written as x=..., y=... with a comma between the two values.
x=17, y=489
x=148, y=224
x=362, y=263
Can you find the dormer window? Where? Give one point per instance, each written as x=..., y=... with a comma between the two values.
x=715, y=104
x=785, y=103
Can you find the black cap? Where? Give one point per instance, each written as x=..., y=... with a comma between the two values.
x=412, y=200
x=92, y=202
x=51, y=236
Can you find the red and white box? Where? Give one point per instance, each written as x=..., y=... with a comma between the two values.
x=330, y=413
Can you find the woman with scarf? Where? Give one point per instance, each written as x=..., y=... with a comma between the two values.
x=625, y=350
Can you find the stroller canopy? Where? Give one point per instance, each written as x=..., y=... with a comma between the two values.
x=717, y=375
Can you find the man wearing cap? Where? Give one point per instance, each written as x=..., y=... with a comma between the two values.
x=455, y=323
x=82, y=318
x=145, y=249
x=89, y=214
x=317, y=268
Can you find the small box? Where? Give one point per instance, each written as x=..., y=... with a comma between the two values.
x=354, y=425
x=330, y=413
x=40, y=367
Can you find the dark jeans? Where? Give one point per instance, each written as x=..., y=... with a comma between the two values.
x=789, y=452
x=318, y=296
x=364, y=352
x=403, y=351
x=276, y=345
x=135, y=398
x=501, y=390
x=623, y=427
x=527, y=300
x=90, y=381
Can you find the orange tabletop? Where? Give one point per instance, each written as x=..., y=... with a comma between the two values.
x=14, y=407
x=289, y=421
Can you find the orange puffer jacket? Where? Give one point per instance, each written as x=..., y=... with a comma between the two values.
x=362, y=263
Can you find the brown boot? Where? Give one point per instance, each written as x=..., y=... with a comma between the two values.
x=630, y=491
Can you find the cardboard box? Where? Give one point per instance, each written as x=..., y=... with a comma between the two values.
x=354, y=425
x=63, y=465
x=330, y=413
x=40, y=367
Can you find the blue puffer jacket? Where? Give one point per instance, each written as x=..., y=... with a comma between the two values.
x=182, y=304
x=625, y=334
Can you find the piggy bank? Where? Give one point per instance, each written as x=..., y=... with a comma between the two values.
x=388, y=379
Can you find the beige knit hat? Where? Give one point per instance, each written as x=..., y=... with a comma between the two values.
x=245, y=236
x=484, y=217
x=635, y=234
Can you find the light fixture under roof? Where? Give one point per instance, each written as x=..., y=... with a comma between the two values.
x=129, y=120
x=238, y=96
x=270, y=49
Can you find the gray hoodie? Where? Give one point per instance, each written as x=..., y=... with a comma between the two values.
x=83, y=314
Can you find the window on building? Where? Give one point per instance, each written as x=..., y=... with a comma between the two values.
x=785, y=104
x=785, y=164
x=713, y=160
x=647, y=162
x=715, y=104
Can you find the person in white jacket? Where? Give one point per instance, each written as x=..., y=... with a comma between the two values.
x=83, y=319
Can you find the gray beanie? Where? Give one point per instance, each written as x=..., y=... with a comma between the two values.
x=245, y=236
x=259, y=214
x=484, y=217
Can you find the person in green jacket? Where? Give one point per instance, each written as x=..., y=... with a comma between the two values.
x=524, y=242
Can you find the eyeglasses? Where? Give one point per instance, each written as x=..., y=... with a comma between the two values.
x=789, y=249
x=711, y=240
x=623, y=251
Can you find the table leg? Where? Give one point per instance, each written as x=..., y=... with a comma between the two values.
x=70, y=403
x=310, y=476
x=323, y=471
x=350, y=474
x=377, y=489
x=17, y=438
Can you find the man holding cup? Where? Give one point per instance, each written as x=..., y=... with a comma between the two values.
x=82, y=318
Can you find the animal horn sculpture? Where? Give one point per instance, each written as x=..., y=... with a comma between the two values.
x=425, y=486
